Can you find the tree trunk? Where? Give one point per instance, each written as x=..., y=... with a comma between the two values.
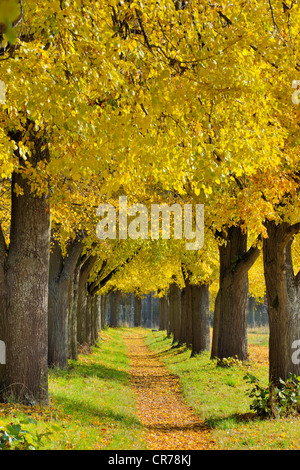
x=85, y=271
x=174, y=307
x=95, y=319
x=114, y=304
x=148, y=302
x=89, y=311
x=137, y=311
x=27, y=294
x=3, y=305
x=186, y=314
x=58, y=311
x=163, y=313
x=216, y=325
x=73, y=349
x=235, y=262
x=200, y=319
x=183, y=321
x=103, y=311
x=251, y=316
x=283, y=296
x=61, y=292
x=170, y=325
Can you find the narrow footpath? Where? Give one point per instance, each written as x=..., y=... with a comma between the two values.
x=170, y=424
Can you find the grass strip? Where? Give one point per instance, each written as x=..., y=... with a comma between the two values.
x=218, y=395
x=91, y=403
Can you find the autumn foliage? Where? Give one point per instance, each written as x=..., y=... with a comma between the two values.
x=174, y=102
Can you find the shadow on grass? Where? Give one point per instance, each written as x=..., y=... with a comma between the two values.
x=172, y=352
x=159, y=339
x=91, y=370
x=77, y=408
x=231, y=421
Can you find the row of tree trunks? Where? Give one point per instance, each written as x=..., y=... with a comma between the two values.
x=103, y=305
x=73, y=311
x=175, y=312
x=200, y=318
x=114, y=304
x=190, y=324
x=283, y=298
x=231, y=305
x=184, y=314
x=72, y=343
x=132, y=310
x=163, y=303
x=60, y=300
x=137, y=311
x=25, y=306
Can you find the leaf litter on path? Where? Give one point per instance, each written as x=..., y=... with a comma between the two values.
x=169, y=422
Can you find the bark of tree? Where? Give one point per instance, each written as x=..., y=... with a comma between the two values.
x=3, y=301
x=96, y=318
x=137, y=311
x=103, y=311
x=114, y=304
x=148, y=311
x=251, y=317
x=61, y=295
x=235, y=262
x=73, y=349
x=163, y=312
x=93, y=318
x=216, y=323
x=186, y=314
x=24, y=289
x=175, y=311
x=200, y=319
x=89, y=313
x=283, y=297
x=85, y=272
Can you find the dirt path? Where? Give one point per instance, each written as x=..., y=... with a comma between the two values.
x=170, y=424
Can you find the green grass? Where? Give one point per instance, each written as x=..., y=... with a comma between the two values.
x=258, y=336
x=219, y=396
x=94, y=406
x=91, y=402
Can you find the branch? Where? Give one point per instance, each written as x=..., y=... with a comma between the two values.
x=72, y=260
x=290, y=232
x=143, y=30
x=276, y=27
x=101, y=283
x=248, y=259
x=88, y=265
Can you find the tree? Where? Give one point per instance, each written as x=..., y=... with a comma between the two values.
x=52, y=125
x=184, y=98
x=220, y=136
x=231, y=312
x=200, y=319
x=60, y=299
x=283, y=299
